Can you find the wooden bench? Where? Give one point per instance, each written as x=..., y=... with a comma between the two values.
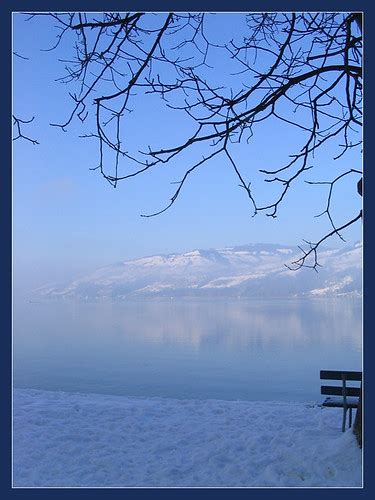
x=341, y=396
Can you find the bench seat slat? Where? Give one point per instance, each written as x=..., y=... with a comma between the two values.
x=337, y=375
x=338, y=402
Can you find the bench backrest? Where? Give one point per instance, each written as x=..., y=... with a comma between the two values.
x=342, y=390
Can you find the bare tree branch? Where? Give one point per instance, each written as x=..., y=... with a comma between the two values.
x=17, y=123
x=300, y=70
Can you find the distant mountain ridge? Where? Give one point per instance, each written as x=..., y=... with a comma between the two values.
x=255, y=270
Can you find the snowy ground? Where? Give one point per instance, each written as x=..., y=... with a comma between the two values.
x=68, y=439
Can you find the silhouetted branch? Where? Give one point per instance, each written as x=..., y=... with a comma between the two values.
x=313, y=247
x=17, y=123
x=301, y=70
x=331, y=184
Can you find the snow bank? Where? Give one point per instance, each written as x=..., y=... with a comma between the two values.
x=69, y=439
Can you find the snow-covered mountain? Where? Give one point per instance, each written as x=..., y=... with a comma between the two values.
x=245, y=271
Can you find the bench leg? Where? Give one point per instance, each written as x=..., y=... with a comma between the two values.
x=350, y=417
x=343, y=420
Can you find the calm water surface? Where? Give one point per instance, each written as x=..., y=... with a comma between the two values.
x=233, y=349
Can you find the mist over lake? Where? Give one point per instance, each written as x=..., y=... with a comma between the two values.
x=224, y=349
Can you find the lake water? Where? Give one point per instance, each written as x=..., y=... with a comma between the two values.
x=232, y=349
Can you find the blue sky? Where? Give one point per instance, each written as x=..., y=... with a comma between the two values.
x=68, y=220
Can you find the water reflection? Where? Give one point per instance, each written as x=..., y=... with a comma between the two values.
x=233, y=323
x=185, y=348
